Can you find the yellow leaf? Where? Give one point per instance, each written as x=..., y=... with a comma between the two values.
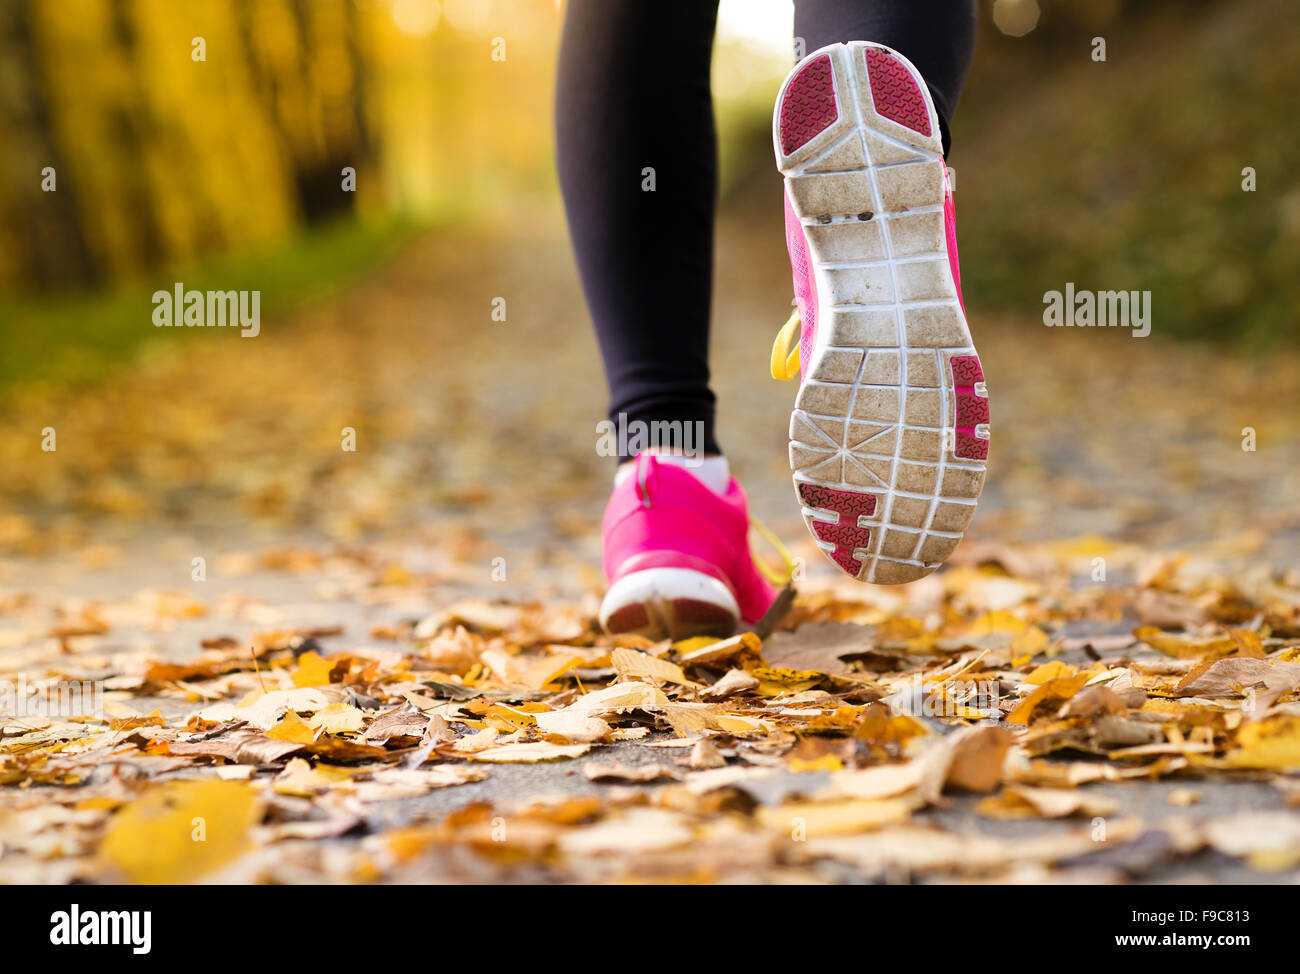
x=513, y=719
x=178, y=832
x=313, y=671
x=684, y=646
x=300, y=779
x=1053, y=691
x=337, y=718
x=406, y=844
x=998, y=620
x=840, y=720
x=809, y=820
x=1186, y=647
x=1273, y=744
x=1085, y=546
x=774, y=681
x=705, y=649
x=292, y=728
x=827, y=762
x=1050, y=671
x=548, y=669
x=1028, y=644
x=99, y=803
x=738, y=724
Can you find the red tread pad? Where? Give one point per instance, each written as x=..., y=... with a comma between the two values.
x=971, y=447
x=966, y=370
x=844, y=558
x=841, y=502
x=971, y=409
x=846, y=535
x=808, y=107
x=895, y=92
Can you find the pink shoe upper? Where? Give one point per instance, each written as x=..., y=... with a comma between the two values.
x=950, y=227
x=662, y=517
x=805, y=288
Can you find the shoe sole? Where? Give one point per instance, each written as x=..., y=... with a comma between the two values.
x=889, y=434
x=669, y=603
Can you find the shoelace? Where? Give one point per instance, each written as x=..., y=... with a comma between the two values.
x=785, y=365
x=776, y=578
x=785, y=361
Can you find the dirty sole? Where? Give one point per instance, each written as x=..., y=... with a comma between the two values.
x=889, y=434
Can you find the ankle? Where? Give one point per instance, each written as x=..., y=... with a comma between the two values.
x=710, y=469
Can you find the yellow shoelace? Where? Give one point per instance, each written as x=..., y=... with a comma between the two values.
x=776, y=578
x=785, y=361
x=785, y=365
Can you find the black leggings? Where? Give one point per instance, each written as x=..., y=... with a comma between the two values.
x=633, y=104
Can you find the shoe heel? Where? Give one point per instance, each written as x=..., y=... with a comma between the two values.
x=669, y=603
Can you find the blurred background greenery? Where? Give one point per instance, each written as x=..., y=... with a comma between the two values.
x=226, y=172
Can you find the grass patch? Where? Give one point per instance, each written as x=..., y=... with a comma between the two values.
x=1128, y=175
x=74, y=338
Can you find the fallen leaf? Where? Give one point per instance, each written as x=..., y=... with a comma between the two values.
x=818, y=646
x=292, y=728
x=1049, y=693
x=338, y=718
x=978, y=756
x=529, y=753
x=1024, y=801
x=1272, y=744
x=314, y=671
x=1185, y=647
x=620, y=696
x=627, y=831
x=577, y=728
x=629, y=772
x=178, y=832
x=806, y=820
x=1268, y=841
x=300, y=778
x=730, y=683
x=631, y=664
x=705, y=754
x=1225, y=677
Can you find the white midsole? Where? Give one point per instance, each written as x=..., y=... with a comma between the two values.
x=666, y=584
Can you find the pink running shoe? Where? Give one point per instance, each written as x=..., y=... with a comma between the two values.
x=889, y=434
x=677, y=557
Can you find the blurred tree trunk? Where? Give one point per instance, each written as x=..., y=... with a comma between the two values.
x=131, y=133
x=316, y=160
x=360, y=90
x=49, y=232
